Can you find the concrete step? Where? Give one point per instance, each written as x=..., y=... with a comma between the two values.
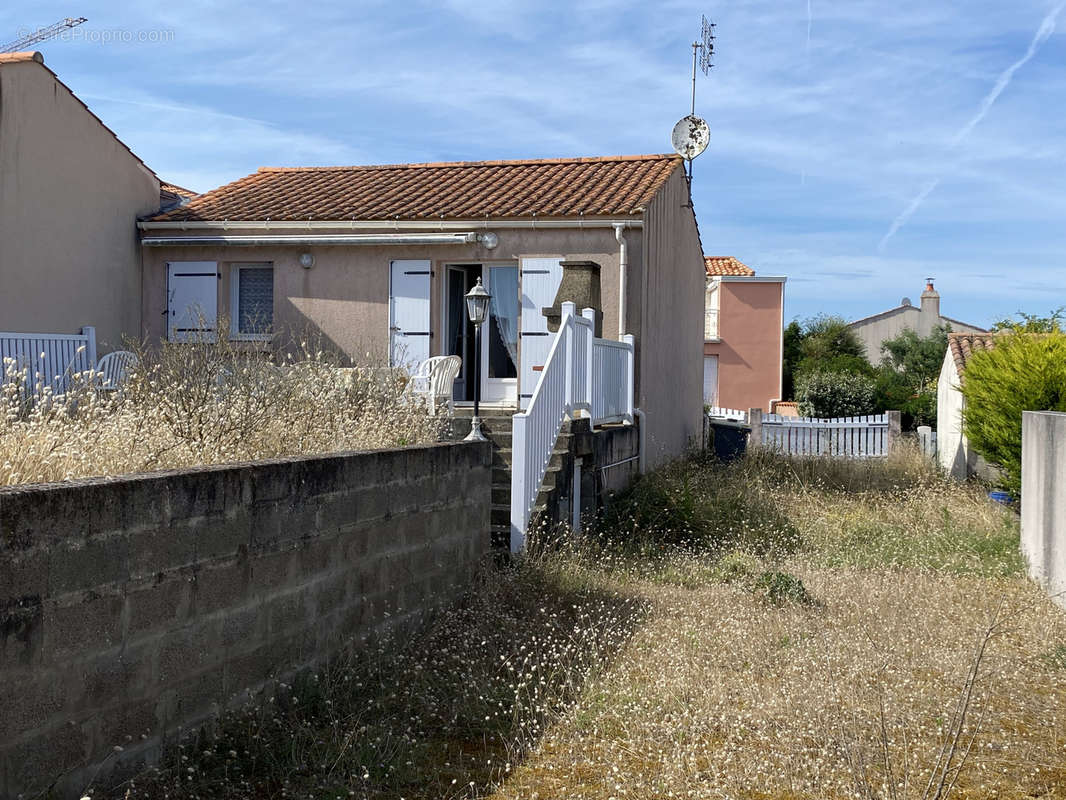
x=501, y=493
x=500, y=514
x=499, y=440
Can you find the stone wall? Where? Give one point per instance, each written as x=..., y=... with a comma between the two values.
x=1044, y=499
x=135, y=606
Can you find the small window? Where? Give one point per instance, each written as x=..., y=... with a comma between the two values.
x=252, y=306
x=710, y=312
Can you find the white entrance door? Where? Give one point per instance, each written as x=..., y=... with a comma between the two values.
x=540, y=281
x=409, y=313
x=192, y=301
x=499, y=336
x=710, y=380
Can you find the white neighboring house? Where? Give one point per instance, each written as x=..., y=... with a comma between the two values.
x=953, y=451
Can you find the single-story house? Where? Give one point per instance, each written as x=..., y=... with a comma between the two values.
x=953, y=451
x=376, y=259
x=70, y=195
x=878, y=328
x=743, y=329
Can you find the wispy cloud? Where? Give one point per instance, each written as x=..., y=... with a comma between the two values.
x=1047, y=27
x=816, y=141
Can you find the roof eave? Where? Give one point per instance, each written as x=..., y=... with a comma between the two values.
x=628, y=220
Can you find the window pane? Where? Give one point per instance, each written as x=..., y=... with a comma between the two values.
x=255, y=300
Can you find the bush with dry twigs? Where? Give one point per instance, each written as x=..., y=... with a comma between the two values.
x=202, y=403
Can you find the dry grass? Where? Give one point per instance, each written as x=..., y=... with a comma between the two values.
x=785, y=630
x=444, y=713
x=844, y=684
x=193, y=404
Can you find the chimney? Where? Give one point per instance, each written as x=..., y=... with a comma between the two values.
x=930, y=316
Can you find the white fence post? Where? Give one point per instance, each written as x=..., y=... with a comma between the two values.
x=567, y=329
x=519, y=477
x=590, y=315
x=89, y=332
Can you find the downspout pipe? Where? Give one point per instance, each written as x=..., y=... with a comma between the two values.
x=623, y=263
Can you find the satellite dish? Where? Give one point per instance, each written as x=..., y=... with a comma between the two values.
x=690, y=136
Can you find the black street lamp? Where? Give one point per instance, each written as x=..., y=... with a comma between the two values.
x=477, y=308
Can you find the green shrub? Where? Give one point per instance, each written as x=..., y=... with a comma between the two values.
x=835, y=394
x=1023, y=372
x=779, y=589
x=697, y=506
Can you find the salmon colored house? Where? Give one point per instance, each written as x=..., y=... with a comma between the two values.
x=743, y=329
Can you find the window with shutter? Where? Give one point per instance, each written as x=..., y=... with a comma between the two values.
x=252, y=301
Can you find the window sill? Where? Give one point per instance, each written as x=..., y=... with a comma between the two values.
x=251, y=337
x=714, y=340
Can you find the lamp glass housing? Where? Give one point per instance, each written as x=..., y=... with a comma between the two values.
x=477, y=303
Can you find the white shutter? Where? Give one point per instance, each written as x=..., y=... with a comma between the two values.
x=192, y=300
x=540, y=281
x=710, y=380
x=409, y=331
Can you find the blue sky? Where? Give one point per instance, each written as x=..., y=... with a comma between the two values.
x=857, y=146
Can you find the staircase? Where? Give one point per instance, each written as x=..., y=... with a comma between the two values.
x=496, y=424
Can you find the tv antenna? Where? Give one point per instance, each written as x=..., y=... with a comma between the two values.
x=703, y=52
x=691, y=134
x=42, y=34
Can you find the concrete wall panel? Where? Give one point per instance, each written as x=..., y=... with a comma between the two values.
x=139, y=605
x=1044, y=499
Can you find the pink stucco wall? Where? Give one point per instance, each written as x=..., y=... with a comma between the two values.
x=749, y=351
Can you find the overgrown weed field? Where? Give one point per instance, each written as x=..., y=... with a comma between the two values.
x=775, y=629
x=191, y=404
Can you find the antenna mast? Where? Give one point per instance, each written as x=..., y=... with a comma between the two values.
x=691, y=134
x=42, y=34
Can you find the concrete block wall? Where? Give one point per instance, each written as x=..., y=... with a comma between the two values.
x=132, y=607
x=1044, y=499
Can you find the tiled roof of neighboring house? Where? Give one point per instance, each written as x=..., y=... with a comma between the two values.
x=726, y=265
x=173, y=188
x=171, y=195
x=962, y=346
x=558, y=187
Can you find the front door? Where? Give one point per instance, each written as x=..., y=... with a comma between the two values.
x=499, y=336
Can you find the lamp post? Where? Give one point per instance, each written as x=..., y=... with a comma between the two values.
x=477, y=308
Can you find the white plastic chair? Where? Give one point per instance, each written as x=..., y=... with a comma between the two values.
x=433, y=380
x=114, y=369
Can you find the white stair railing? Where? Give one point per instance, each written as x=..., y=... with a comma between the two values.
x=582, y=375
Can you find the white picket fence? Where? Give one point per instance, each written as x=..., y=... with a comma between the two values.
x=733, y=414
x=852, y=437
x=48, y=359
x=583, y=375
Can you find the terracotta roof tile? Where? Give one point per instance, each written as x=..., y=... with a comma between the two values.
x=618, y=185
x=726, y=265
x=180, y=191
x=962, y=346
